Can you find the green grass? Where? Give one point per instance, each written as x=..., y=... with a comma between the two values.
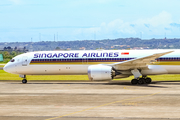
x=7, y=76
x=2, y=64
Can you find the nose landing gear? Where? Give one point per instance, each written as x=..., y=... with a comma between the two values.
x=142, y=80
x=24, y=81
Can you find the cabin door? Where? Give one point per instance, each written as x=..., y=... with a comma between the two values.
x=24, y=61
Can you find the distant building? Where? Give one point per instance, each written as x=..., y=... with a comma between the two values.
x=1, y=48
x=82, y=48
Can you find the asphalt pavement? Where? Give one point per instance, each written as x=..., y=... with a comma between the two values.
x=57, y=100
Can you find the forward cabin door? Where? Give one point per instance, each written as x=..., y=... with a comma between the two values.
x=24, y=61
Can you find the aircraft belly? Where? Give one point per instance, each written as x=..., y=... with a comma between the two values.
x=57, y=69
x=154, y=70
x=161, y=69
x=172, y=69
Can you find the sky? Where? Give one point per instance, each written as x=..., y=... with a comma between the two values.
x=67, y=20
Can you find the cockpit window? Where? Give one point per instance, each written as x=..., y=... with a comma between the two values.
x=12, y=60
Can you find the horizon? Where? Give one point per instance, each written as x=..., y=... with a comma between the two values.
x=94, y=40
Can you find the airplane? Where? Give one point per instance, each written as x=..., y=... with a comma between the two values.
x=99, y=65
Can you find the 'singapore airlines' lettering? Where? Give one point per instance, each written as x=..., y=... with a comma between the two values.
x=55, y=55
x=111, y=54
x=75, y=55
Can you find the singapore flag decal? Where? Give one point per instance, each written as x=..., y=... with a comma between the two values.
x=125, y=53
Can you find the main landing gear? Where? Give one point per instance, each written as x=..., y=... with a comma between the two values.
x=142, y=80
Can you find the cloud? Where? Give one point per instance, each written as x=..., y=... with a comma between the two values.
x=163, y=18
x=154, y=26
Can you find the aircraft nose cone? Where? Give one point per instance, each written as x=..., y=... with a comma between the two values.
x=5, y=68
x=8, y=68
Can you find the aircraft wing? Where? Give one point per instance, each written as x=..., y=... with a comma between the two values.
x=138, y=63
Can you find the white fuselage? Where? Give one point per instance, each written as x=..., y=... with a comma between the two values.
x=77, y=62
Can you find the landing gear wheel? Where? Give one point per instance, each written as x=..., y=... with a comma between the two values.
x=148, y=80
x=141, y=81
x=134, y=81
x=24, y=81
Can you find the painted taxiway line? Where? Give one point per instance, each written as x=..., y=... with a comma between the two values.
x=133, y=98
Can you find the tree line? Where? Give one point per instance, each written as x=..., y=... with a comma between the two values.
x=8, y=55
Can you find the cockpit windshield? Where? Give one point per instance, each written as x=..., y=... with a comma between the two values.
x=12, y=60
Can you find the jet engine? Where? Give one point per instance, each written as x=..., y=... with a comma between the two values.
x=100, y=72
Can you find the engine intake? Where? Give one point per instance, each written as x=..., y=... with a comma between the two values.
x=100, y=72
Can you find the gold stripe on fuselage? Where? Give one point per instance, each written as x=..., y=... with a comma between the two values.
x=71, y=63
x=166, y=63
x=94, y=63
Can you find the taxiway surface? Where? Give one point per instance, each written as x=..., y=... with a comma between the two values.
x=55, y=100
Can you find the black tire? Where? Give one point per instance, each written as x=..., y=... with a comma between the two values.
x=24, y=81
x=141, y=81
x=134, y=81
x=148, y=80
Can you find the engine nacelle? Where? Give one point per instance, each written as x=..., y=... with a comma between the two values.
x=100, y=72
